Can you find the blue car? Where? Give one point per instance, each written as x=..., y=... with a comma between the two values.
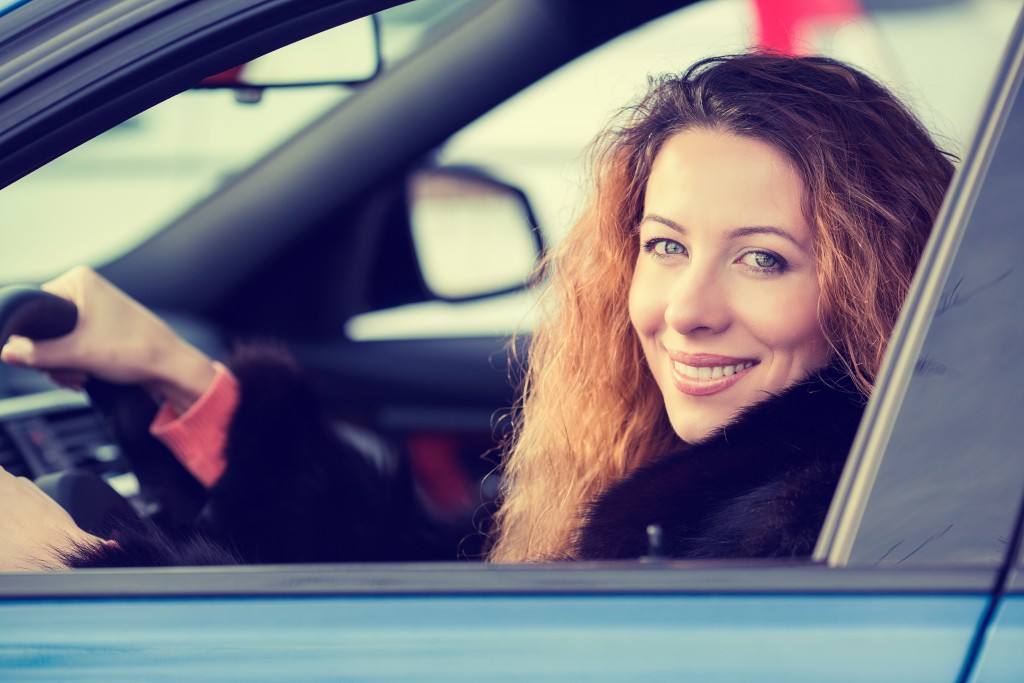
x=918, y=574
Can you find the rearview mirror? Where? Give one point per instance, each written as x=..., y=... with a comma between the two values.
x=344, y=55
x=474, y=236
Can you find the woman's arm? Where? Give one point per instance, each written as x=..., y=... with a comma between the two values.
x=290, y=489
x=293, y=491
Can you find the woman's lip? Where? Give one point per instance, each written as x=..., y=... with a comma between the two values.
x=694, y=386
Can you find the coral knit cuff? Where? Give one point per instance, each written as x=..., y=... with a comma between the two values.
x=197, y=437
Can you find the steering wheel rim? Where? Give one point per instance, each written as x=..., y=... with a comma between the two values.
x=31, y=312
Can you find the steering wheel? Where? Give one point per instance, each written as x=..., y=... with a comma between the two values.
x=171, y=496
x=33, y=313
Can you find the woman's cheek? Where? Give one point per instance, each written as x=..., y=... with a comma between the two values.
x=785, y=320
x=646, y=309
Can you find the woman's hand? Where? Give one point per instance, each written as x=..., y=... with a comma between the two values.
x=117, y=340
x=34, y=530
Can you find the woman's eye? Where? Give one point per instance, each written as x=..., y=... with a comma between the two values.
x=670, y=247
x=764, y=261
x=663, y=247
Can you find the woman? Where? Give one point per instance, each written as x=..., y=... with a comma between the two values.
x=759, y=210
x=719, y=313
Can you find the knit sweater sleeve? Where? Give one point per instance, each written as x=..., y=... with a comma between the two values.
x=198, y=436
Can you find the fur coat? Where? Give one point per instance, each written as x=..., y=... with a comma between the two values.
x=758, y=487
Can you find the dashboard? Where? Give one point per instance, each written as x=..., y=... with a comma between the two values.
x=56, y=431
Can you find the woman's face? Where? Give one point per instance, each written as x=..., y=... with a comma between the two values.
x=725, y=292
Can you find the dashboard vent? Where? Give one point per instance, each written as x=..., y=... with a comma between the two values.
x=82, y=436
x=10, y=456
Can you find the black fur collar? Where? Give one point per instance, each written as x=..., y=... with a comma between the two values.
x=759, y=487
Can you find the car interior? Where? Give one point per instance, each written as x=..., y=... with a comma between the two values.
x=322, y=229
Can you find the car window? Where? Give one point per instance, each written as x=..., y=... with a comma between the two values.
x=544, y=158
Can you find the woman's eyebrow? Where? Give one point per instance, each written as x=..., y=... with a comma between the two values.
x=664, y=221
x=732, y=234
x=764, y=230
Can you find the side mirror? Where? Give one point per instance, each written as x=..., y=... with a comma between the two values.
x=474, y=236
x=345, y=55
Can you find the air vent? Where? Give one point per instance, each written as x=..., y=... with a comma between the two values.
x=10, y=456
x=82, y=436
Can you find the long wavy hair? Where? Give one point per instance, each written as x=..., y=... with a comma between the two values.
x=590, y=410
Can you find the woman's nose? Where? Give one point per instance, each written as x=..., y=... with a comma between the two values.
x=698, y=302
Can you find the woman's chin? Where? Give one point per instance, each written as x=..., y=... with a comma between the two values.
x=694, y=424
x=695, y=432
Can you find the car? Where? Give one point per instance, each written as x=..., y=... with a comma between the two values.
x=917, y=574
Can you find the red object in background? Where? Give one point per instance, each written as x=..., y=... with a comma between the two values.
x=781, y=22
x=229, y=77
x=436, y=467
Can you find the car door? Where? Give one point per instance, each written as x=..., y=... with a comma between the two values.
x=912, y=580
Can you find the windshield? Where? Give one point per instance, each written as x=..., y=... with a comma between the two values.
x=126, y=184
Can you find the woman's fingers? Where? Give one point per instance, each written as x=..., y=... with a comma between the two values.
x=43, y=355
x=71, y=379
x=115, y=339
x=24, y=352
x=17, y=351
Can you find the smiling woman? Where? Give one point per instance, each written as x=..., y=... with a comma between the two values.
x=718, y=315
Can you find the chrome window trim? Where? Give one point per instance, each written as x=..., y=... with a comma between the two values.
x=480, y=579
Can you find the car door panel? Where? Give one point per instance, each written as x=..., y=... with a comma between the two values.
x=790, y=638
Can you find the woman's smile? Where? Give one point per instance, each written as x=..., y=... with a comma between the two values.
x=705, y=374
x=725, y=291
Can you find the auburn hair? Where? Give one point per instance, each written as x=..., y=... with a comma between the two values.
x=589, y=410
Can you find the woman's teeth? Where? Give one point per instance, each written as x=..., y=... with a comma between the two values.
x=711, y=372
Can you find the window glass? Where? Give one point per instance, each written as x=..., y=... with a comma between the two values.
x=124, y=185
x=951, y=481
x=939, y=57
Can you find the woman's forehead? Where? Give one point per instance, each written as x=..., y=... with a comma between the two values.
x=707, y=178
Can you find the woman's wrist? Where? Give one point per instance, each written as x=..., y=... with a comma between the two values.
x=183, y=374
